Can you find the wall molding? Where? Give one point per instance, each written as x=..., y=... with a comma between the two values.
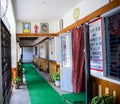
x=36, y=35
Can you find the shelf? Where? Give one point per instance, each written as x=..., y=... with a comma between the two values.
x=36, y=35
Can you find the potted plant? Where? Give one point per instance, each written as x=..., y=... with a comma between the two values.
x=56, y=78
x=106, y=99
x=17, y=82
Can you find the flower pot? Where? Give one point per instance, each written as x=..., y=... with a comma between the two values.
x=16, y=86
x=57, y=83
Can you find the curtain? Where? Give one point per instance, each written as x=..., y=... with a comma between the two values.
x=78, y=80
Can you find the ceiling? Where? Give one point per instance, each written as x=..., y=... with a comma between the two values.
x=26, y=41
x=42, y=10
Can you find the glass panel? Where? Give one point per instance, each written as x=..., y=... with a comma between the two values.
x=65, y=42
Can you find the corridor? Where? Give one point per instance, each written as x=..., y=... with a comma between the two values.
x=37, y=89
x=60, y=51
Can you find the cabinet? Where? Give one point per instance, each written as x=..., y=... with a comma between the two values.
x=5, y=65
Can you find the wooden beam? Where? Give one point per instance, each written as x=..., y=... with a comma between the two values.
x=96, y=13
x=41, y=41
x=36, y=35
x=27, y=46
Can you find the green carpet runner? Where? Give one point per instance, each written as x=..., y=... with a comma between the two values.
x=74, y=98
x=40, y=91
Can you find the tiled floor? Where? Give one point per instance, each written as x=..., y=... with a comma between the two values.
x=21, y=96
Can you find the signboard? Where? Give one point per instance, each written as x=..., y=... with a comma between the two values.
x=96, y=54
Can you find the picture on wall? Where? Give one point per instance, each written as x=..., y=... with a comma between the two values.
x=26, y=27
x=44, y=27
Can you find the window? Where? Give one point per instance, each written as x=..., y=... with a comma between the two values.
x=65, y=50
x=112, y=42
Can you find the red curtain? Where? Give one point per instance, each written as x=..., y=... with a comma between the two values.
x=78, y=80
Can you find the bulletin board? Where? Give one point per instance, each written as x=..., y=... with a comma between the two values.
x=96, y=48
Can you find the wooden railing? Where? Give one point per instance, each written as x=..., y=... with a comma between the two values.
x=102, y=87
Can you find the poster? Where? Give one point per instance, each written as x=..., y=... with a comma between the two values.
x=96, y=53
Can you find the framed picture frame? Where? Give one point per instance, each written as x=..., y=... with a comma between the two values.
x=61, y=24
x=44, y=27
x=26, y=26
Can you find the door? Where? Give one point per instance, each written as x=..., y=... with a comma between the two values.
x=66, y=62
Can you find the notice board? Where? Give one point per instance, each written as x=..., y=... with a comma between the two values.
x=96, y=49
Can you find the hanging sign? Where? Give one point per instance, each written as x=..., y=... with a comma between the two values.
x=96, y=54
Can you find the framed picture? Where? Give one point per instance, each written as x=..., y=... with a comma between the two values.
x=44, y=27
x=61, y=24
x=26, y=27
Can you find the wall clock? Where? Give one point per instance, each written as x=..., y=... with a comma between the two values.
x=76, y=13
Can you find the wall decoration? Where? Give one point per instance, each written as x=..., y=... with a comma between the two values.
x=26, y=27
x=44, y=27
x=61, y=24
x=36, y=28
x=76, y=13
x=96, y=54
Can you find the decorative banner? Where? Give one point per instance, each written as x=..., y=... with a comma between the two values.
x=96, y=54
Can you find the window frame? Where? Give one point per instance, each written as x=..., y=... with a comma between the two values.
x=106, y=37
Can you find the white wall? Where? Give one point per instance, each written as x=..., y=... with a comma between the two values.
x=57, y=50
x=27, y=54
x=19, y=52
x=12, y=23
x=33, y=50
x=52, y=26
x=86, y=7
